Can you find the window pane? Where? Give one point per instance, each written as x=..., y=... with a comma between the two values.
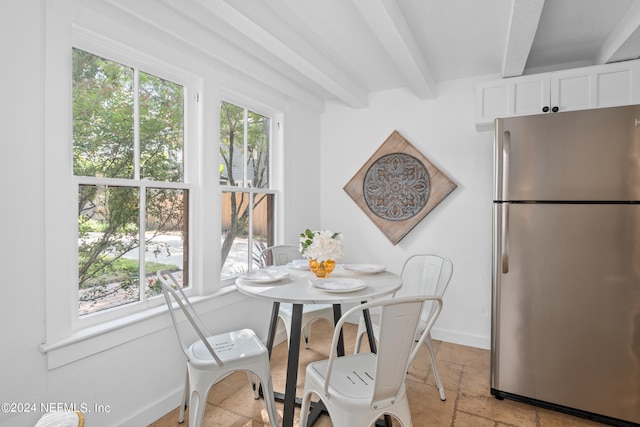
x=235, y=218
x=262, y=227
x=108, y=247
x=258, y=151
x=102, y=117
x=244, y=165
x=161, y=129
x=231, y=144
x=166, y=237
x=239, y=249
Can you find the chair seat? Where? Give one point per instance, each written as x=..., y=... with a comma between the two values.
x=352, y=375
x=229, y=346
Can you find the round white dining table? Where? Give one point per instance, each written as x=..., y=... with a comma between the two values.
x=297, y=289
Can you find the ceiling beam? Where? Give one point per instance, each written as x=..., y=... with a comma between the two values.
x=525, y=16
x=165, y=27
x=390, y=27
x=624, y=42
x=320, y=72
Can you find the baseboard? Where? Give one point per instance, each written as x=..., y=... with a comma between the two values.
x=455, y=337
x=155, y=411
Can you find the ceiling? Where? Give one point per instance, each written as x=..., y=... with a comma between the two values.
x=346, y=49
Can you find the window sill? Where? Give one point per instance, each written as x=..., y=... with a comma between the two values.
x=95, y=339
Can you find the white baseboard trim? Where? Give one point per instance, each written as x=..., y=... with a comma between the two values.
x=157, y=410
x=455, y=337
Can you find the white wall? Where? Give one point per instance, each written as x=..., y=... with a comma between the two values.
x=139, y=377
x=458, y=228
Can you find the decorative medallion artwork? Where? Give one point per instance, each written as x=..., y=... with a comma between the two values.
x=397, y=187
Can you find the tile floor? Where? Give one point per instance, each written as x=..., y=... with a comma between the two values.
x=463, y=370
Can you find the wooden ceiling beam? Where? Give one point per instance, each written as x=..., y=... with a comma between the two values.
x=390, y=27
x=624, y=42
x=319, y=69
x=525, y=17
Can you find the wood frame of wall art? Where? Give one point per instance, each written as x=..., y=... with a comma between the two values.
x=397, y=187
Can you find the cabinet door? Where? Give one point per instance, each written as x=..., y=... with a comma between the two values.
x=514, y=96
x=530, y=94
x=492, y=101
x=616, y=84
x=571, y=90
x=595, y=87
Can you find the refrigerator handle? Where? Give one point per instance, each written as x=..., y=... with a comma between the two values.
x=504, y=233
x=502, y=150
x=506, y=153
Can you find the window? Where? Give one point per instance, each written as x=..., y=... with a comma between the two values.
x=247, y=197
x=128, y=165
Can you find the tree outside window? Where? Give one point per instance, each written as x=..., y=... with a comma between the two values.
x=247, y=200
x=128, y=144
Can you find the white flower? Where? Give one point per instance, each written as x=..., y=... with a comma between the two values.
x=322, y=245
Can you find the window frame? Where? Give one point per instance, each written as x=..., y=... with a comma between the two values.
x=108, y=53
x=65, y=340
x=276, y=166
x=128, y=57
x=64, y=325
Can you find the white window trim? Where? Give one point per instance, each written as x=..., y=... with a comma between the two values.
x=276, y=153
x=67, y=337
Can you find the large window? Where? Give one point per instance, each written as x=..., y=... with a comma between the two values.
x=247, y=197
x=132, y=200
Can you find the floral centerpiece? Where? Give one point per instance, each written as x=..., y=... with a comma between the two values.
x=323, y=249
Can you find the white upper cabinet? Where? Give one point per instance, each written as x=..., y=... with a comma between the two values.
x=576, y=89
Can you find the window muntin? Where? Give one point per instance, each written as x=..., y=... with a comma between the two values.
x=128, y=144
x=247, y=199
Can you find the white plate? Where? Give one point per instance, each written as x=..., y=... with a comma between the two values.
x=365, y=268
x=299, y=264
x=265, y=275
x=338, y=284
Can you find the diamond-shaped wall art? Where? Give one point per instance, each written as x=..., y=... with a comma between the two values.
x=397, y=187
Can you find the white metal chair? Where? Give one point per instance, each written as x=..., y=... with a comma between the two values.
x=360, y=388
x=282, y=255
x=213, y=357
x=432, y=273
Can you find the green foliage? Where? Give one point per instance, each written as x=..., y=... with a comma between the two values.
x=306, y=239
x=103, y=147
x=233, y=120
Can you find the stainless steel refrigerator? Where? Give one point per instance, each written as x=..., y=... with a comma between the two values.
x=566, y=262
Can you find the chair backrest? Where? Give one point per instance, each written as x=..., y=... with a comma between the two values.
x=169, y=286
x=280, y=254
x=431, y=273
x=398, y=324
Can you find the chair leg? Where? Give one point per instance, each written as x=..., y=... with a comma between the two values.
x=403, y=413
x=197, y=406
x=287, y=328
x=359, y=334
x=255, y=385
x=185, y=399
x=434, y=367
x=306, y=333
x=263, y=375
x=304, y=409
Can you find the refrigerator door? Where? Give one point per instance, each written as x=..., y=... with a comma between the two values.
x=571, y=156
x=566, y=295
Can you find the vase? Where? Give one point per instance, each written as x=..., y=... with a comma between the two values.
x=322, y=269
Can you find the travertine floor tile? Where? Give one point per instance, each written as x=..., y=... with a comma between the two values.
x=464, y=372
